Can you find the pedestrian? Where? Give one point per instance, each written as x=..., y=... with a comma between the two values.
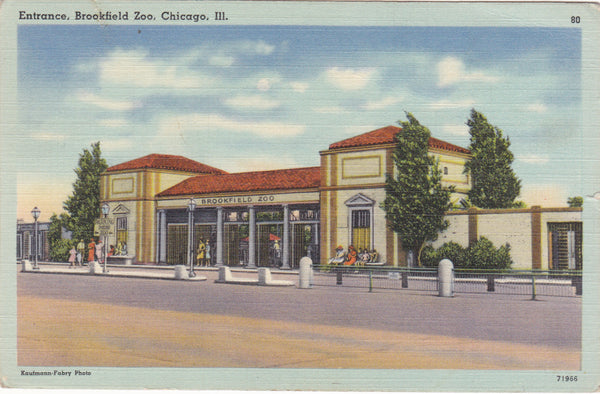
x=111, y=251
x=201, y=253
x=99, y=252
x=208, y=253
x=91, y=251
x=80, y=252
x=72, y=257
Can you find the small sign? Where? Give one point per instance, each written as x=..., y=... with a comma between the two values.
x=104, y=227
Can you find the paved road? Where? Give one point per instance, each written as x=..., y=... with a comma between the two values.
x=553, y=321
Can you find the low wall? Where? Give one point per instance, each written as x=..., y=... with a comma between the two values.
x=525, y=230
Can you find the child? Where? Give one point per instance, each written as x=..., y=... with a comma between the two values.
x=72, y=256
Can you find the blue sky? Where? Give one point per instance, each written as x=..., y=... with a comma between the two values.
x=249, y=98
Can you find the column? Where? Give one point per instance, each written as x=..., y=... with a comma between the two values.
x=219, y=236
x=251, y=237
x=536, y=237
x=156, y=237
x=163, y=236
x=285, y=255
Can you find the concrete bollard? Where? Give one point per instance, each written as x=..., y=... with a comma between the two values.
x=95, y=267
x=25, y=265
x=446, y=278
x=224, y=274
x=181, y=272
x=305, y=277
x=264, y=276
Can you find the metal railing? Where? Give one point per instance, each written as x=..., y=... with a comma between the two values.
x=515, y=282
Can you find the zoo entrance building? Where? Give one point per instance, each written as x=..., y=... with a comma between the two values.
x=268, y=218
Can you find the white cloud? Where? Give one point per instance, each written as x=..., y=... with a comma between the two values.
x=266, y=83
x=448, y=104
x=48, y=137
x=350, y=79
x=136, y=68
x=533, y=159
x=460, y=130
x=104, y=103
x=252, y=102
x=537, y=107
x=452, y=71
x=382, y=103
x=257, y=47
x=118, y=144
x=221, y=60
x=174, y=125
x=299, y=87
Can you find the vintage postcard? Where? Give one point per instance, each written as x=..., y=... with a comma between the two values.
x=307, y=196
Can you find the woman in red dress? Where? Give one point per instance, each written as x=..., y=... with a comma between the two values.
x=352, y=256
x=91, y=250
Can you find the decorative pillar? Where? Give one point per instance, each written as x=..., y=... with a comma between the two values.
x=536, y=237
x=219, y=236
x=285, y=256
x=156, y=237
x=163, y=237
x=251, y=237
x=473, y=234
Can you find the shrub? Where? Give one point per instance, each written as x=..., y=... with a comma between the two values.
x=429, y=256
x=484, y=255
x=453, y=252
x=59, y=250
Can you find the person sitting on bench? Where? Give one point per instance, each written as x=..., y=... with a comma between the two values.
x=340, y=256
x=352, y=256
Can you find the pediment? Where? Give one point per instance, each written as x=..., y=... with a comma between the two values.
x=121, y=209
x=360, y=200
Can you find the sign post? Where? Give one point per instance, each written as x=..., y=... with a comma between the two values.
x=103, y=227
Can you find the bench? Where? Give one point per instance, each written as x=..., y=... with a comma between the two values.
x=124, y=260
x=225, y=276
x=265, y=279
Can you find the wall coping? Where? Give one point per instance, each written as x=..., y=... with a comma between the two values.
x=535, y=208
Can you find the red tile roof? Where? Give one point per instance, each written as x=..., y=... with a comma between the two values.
x=386, y=135
x=288, y=179
x=166, y=162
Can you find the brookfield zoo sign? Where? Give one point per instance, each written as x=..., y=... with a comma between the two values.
x=294, y=198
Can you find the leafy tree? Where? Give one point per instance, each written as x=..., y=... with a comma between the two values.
x=415, y=201
x=575, y=202
x=59, y=248
x=83, y=205
x=495, y=185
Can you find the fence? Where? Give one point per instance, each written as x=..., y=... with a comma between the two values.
x=518, y=282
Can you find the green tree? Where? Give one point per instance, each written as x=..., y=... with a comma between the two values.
x=495, y=185
x=415, y=201
x=83, y=206
x=575, y=202
x=59, y=248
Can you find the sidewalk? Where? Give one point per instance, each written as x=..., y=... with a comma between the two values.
x=133, y=271
x=146, y=272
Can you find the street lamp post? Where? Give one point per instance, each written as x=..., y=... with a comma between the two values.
x=190, y=255
x=36, y=214
x=105, y=211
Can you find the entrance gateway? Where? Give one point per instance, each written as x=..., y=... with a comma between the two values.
x=249, y=236
x=265, y=218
